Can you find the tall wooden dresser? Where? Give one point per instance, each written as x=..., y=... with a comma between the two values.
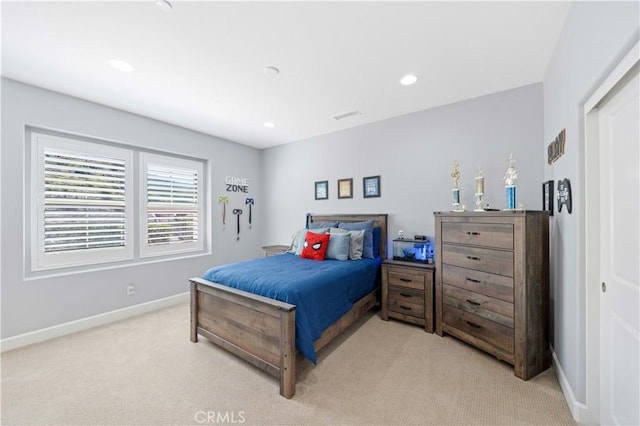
x=492, y=284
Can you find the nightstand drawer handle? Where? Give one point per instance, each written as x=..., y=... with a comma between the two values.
x=473, y=303
x=405, y=295
x=473, y=258
x=474, y=325
x=474, y=281
x=406, y=308
x=473, y=233
x=406, y=280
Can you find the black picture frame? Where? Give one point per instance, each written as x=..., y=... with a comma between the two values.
x=547, y=197
x=371, y=186
x=322, y=190
x=345, y=188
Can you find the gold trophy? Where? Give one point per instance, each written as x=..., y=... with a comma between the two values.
x=457, y=207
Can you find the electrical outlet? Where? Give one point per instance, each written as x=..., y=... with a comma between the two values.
x=131, y=289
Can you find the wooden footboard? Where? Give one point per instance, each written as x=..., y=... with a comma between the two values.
x=258, y=329
x=255, y=328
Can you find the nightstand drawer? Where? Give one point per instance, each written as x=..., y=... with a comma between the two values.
x=486, y=260
x=489, y=331
x=493, y=285
x=490, y=308
x=497, y=235
x=407, y=302
x=406, y=278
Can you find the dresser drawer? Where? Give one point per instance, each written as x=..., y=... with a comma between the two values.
x=496, y=235
x=495, y=334
x=490, y=308
x=486, y=260
x=407, y=302
x=493, y=285
x=404, y=277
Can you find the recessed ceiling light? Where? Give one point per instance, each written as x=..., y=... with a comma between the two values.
x=271, y=70
x=164, y=5
x=121, y=65
x=269, y=125
x=408, y=80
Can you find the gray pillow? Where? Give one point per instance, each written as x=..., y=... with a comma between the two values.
x=367, y=226
x=338, y=248
x=356, y=242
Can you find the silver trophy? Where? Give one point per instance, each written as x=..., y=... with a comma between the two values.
x=479, y=190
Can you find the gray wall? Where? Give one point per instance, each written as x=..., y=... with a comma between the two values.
x=414, y=156
x=595, y=37
x=36, y=303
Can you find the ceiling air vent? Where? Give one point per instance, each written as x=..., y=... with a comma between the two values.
x=347, y=114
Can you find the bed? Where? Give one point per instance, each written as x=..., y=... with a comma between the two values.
x=262, y=330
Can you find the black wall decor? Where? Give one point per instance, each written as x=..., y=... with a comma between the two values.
x=547, y=197
x=564, y=194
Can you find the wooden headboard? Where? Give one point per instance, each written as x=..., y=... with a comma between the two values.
x=379, y=220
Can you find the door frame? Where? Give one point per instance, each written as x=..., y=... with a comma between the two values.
x=591, y=229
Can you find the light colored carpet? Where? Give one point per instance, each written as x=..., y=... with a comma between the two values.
x=144, y=370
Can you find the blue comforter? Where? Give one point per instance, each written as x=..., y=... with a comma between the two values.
x=322, y=291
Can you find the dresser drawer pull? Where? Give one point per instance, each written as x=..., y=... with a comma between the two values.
x=474, y=281
x=406, y=308
x=406, y=280
x=473, y=324
x=473, y=303
x=473, y=233
x=473, y=258
x=405, y=295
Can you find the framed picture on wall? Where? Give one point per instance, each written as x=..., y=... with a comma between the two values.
x=322, y=190
x=547, y=197
x=345, y=188
x=371, y=186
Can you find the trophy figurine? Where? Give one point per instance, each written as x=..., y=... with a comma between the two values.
x=479, y=190
x=456, y=191
x=510, y=187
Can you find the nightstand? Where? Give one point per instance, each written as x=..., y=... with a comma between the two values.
x=407, y=292
x=273, y=250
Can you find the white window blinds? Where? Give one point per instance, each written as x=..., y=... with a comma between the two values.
x=172, y=205
x=174, y=208
x=81, y=203
x=84, y=210
x=84, y=202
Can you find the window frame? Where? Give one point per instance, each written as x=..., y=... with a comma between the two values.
x=41, y=260
x=145, y=249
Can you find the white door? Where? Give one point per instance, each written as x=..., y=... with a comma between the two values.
x=619, y=124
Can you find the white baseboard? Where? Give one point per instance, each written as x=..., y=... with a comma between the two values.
x=578, y=409
x=89, y=322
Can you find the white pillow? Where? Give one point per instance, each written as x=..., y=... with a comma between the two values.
x=294, y=241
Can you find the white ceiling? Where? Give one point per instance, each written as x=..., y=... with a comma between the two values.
x=201, y=65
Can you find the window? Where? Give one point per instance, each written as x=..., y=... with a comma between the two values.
x=83, y=203
x=174, y=209
x=84, y=209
